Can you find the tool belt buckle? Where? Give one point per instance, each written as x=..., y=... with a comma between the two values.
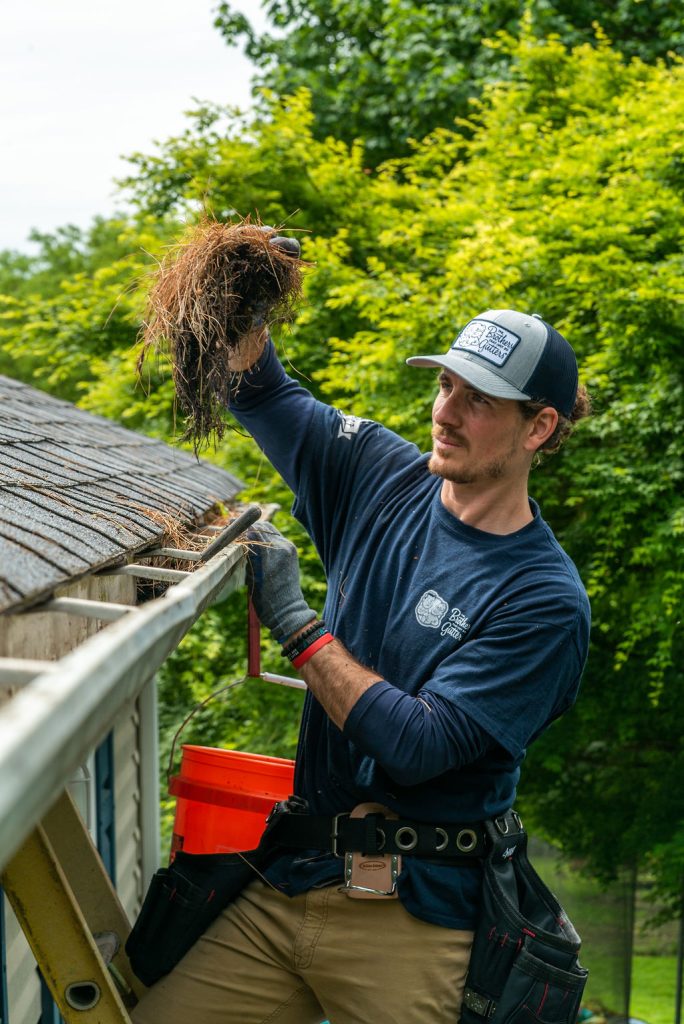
x=372, y=876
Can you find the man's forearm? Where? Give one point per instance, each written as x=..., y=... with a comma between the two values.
x=337, y=680
x=413, y=738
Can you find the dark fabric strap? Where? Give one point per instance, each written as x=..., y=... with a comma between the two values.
x=375, y=834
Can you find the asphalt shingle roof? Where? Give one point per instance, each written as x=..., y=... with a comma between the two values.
x=78, y=492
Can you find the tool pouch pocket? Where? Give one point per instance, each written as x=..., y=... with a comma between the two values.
x=524, y=966
x=536, y=991
x=181, y=902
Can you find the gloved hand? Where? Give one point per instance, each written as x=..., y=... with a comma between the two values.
x=289, y=245
x=273, y=581
x=251, y=346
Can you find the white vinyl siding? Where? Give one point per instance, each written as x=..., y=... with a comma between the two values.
x=127, y=828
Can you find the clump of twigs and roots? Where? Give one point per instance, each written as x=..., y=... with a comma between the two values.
x=179, y=528
x=211, y=294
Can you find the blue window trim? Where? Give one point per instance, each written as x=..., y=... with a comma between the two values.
x=105, y=811
x=49, y=1014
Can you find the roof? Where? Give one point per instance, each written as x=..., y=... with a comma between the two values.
x=79, y=492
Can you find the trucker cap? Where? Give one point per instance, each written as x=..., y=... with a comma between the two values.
x=512, y=355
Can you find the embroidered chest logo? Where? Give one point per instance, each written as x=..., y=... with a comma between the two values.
x=349, y=425
x=430, y=612
x=431, y=609
x=489, y=340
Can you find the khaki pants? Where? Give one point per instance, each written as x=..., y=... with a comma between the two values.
x=270, y=958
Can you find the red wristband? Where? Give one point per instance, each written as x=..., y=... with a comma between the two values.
x=302, y=658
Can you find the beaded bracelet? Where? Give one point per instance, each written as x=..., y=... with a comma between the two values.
x=291, y=645
x=302, y=643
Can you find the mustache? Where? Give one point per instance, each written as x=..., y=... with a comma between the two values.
x=449, y=435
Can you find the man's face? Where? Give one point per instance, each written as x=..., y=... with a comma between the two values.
x=476, y=438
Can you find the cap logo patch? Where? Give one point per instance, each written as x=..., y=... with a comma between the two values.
x=489, y=340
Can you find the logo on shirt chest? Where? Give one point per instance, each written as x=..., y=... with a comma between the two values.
x=431, y=611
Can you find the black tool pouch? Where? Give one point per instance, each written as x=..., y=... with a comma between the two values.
x=183, y=900
x=524, y=963
x=180, y=904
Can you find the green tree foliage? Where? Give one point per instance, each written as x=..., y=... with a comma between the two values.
x=387, y=71
x=564, y=194
x=73, y=308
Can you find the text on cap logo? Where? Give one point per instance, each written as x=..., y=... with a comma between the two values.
x=488, y=340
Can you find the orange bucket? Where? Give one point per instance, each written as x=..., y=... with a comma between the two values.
x=223, y=798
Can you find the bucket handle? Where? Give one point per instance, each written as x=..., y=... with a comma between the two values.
x=201, y=704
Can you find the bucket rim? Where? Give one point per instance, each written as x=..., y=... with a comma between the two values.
x=225, y=753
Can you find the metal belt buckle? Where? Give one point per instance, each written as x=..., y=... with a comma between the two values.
x=336, y=832
x=372, y=876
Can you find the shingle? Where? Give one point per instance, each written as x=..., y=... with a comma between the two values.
x=57, y=552
x=45, y=523
x=77, y=491
x=26, y=571
x=79, y=516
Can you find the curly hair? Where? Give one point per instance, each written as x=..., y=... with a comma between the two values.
x=565, y=425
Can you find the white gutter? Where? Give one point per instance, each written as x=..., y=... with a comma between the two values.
x=50, y=726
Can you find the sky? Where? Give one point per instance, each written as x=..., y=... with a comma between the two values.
x=83, y=83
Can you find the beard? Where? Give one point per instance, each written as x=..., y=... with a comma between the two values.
x=493, y=470
x=440, y=466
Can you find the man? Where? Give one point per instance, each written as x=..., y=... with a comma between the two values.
x=455, y=631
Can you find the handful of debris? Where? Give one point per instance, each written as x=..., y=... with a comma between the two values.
x=212, y=297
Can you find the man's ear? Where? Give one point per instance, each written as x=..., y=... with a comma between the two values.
x=540, y=428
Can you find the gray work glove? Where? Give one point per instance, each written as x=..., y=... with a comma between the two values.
x=273, y=581
x=289, y=245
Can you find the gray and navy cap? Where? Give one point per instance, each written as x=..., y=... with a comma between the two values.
x=508, y=354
